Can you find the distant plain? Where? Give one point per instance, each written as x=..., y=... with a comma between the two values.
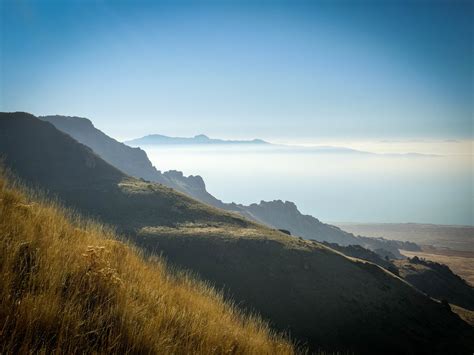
x=459, y=238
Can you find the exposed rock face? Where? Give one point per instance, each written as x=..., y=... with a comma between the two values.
x=276, y=214
x=285, y=215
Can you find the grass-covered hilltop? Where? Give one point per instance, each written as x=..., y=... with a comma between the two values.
x=66, y=270
x=68, y=285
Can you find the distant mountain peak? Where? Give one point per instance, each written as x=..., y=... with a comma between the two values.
x=201, y=136
x=159, y=139
x=288, y=205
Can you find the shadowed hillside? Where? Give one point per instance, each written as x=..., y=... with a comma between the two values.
x=356, y=251
x=276, y=214
x=286, y=215
x=335, y=302
x=437, y=280
x=69, y=286
x=434, y=279
x=52, y=160
x=320, y=296
x=132, y=161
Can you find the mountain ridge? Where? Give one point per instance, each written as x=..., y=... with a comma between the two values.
x=158, y=139
x=323, y=298
x=272, y=213
x=130, y=160
x=202, y=139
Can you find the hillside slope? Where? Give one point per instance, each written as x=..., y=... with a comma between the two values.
x=276, y=214
x=320, y=296
x=132, y=161
x=52, y=160
x=285, y=215
x=69, y=286
x=434, y=279
x=437, y=280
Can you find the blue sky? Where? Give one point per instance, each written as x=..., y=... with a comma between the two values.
x=269, y=69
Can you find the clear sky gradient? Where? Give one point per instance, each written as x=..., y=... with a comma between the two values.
x=268, y=69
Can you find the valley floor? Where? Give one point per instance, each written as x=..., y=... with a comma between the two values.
x=440, y=236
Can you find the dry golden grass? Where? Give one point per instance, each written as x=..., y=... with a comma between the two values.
x=69, y=286
x=219, y=230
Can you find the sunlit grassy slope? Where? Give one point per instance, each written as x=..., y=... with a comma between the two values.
x=70, y=286
x=331, y=301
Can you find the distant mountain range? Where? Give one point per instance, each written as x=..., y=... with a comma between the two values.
x=276, y=214
x=158, y=139
x=201, y=139
x=321, y=297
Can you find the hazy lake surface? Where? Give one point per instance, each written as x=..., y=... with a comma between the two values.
x=332, y=185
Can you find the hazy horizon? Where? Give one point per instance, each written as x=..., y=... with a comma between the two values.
x=425, y=146
x=388, y=186
x=384, y=77
x=346, y=187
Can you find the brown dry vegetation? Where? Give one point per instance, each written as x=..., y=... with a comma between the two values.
x=70, y=286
